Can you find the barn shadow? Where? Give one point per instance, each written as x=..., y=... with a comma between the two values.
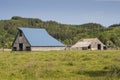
x=101, y=73
x=96, y=73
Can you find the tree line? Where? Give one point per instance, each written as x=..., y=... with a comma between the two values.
x=66, y=33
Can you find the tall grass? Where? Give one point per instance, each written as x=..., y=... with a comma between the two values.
x=60, y=65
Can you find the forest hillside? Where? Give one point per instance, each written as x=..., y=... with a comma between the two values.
x=66, y=33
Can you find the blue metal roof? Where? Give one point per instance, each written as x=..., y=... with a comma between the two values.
x=39, y=37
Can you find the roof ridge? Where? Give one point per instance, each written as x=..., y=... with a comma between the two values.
x=29, y=28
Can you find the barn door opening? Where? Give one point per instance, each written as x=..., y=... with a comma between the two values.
x=28, y=48
x=20, y=46
x=99, y=46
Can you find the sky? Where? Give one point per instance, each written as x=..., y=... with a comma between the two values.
x=105, y=12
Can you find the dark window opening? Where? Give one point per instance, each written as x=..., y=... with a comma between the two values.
x=105, y=47
x=89, y=47
x=84, y=48
x=21, y=47
x=14, y=48
x=20, y=33
x=99, y=46
x=28, y=48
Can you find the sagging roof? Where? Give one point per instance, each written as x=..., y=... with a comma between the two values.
x=87, y=42
x=39, y=37
x=82, y=44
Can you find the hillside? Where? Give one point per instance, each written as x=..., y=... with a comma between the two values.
x=66, y=33
x=60, y=65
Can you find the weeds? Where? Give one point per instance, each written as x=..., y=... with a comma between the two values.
x=60, y=65
x=113, y=71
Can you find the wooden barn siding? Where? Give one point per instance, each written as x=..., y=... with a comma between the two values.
x=46, y=48
x=94, y=45
x=21, y=39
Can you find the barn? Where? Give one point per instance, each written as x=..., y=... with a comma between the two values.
x=35, y=39
x=89, y=44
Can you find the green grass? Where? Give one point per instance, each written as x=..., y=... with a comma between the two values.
x=60, y=65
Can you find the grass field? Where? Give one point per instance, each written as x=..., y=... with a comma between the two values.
x=60, y=65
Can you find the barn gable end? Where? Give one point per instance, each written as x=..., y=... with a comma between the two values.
x=34, y=39
x=21, y=43
x=89, y=44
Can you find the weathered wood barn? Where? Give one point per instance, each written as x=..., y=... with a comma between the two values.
x=34, y=39
x=89, y=44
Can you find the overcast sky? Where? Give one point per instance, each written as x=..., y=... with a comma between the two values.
x=105, y=12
